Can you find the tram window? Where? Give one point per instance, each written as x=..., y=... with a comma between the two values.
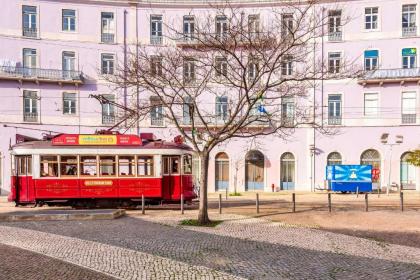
x=174, y=165
x=29, y=164
x=107, y=165
x=49, y=166
x=126, y=165
x=88, y=166
x=68, y=166
x=187, y=164
x=145, y=166
x=21, y=168
x=166, y=163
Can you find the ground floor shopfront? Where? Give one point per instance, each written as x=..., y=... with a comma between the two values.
x=263, y=164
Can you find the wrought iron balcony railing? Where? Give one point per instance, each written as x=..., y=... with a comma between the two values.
x=30, y=32
x=408, y=118
x=332, y=120
x=156, y=121
x=335, y=36
x=108, y=119
x=409, y=31
x=156, y=40
x=108, y=38
x=40, y=74
x=390, y=76
x=30, y=117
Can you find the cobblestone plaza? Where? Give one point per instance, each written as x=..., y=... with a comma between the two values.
x=157, y=247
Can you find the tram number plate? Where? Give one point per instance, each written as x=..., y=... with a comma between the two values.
x=98, y=183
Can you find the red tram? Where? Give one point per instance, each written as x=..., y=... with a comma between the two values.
x=100, y=170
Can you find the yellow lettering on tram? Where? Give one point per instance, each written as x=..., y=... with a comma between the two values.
x=97, y=140
x=98, y=183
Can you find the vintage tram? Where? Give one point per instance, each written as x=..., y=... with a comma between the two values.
x=100, y=170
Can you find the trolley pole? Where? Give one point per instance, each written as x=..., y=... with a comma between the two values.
x=142, y=204
x=366, y=202
x=220, y=203
x=293, y=202
x=182, y=204
x=257, y=203
x=329, y=202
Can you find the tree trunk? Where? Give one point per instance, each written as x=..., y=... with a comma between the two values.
x=203, y=217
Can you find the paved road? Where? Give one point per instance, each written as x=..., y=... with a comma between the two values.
x=21, y=264
x=132, y=248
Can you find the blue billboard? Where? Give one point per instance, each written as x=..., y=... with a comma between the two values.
x=347, y=178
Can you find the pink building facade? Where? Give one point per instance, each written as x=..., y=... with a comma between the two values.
x=54, y=53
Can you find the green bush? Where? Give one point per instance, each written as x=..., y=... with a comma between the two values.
x=193, y=222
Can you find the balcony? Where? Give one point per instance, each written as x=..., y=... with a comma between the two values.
x=108, y=119
x=30, y=117
x=156, y=40
x=409, y=31
x=38, y=75
x=336, y=36
x=381, y=76
x=408, y=118
x=334, y=120
x=30, y=32
x=108, y=38
x=156, y=121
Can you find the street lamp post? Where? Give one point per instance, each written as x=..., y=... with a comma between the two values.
x=384, y=140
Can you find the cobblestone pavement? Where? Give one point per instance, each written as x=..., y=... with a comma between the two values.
x=154, y=246
x=20, y=264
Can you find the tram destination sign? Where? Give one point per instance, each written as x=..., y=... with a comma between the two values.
x=96, y=140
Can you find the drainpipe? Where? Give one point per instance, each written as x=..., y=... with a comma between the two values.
x=125, y=63
x=137, y=74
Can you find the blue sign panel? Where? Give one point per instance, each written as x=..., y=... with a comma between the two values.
x=349, y=178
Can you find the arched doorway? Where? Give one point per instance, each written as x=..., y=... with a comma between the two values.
x=254, y=171
x=407, y=173
x=334, y=158
x=222, y=171
x=287, y=171
x=372, y=157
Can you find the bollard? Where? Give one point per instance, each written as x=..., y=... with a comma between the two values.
x=142, y=204
x=182, y=204
x=357, y=192
x=379, y=191
x=402, y=201
x=294, y=202
x=220, y=203
x=257, y=203
x=227, y=194
x=329, y=202
x=366, y=202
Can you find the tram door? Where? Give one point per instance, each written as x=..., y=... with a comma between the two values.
x=23, y=179
x=171, y=177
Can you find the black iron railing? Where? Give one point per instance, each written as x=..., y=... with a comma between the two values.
x=14, y=72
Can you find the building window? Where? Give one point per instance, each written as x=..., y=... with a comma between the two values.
x=334, y=158
x=156, y=66
x=68, y=64
x=221, y=27
x=371, y=104
x=334, y=25
x=252, y=70
x=287, y=111
x=222, y=171
x=371, y=18
x=156, y=112
x=287, y=171
x=29, y=58
x=287, y=25
x=156, y=34
x=253, y=25
x=334, y=109
x=108, y=27
x=407, y=173
x=189, y=70
x=69, y=103
x=334, y=62
x=108, y=110
x=107, y=63
x=221, y=108
x=371, y=60
x=187, y=110
x=189, y=28
x=409, y=26
x=221, y=67
x=408, y=109
x=409, y=58
x=69, y=20
x=287, y=65
x=30, y=106
x=29, y=21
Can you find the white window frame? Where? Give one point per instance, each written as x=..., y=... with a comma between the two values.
x=113, y=60
x=68, y=21
x=365, y=22
x=75, y=103
x=375, y=113
x=339, y=59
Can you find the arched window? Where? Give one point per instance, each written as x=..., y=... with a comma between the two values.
x=371, y=157
x=254, y=171
x=287, y=171
x=407, y=173
x=222, y=171
x=334, y=158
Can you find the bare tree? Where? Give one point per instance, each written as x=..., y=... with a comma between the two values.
x=230, y=75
